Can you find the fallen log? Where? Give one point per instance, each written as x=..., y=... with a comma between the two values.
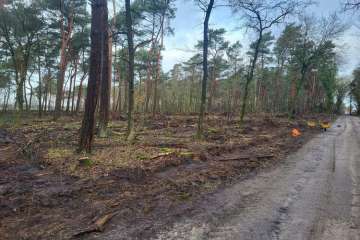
x=162, y=155
x=234, y=158
x=245, y=158
x=97, y=226
x=265, y=156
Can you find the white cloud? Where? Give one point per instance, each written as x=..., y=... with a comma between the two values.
x=349, y=50
x=188, y=30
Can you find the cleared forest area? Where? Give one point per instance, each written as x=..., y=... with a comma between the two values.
x=96, y=133
x=58, y=193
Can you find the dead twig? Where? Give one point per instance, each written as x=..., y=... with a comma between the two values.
x=98, y=225
x=162, y=155
x=235, y=158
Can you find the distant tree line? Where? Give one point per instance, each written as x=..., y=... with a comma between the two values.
x=57, y=57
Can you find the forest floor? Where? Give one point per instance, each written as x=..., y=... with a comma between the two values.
x=48, y=191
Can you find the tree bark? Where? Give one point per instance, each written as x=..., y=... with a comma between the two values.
x=31, y=92
x=158, y=73
x=23, y=78
x=299, y=84
x=70, y=90
x=126, y=92
x=46, y=92
x=4, y=100
x=40, y=88
x=79, y=96
x=205, y=70
x=50, y=98
x=112, y=44
x=148, y=81
x=98, y=45
x=105, y=82
x=118, y=107
x=7, y=98
x=25, y=96
x=250, y=77
x=65, y=38
x=30, y=99
x=212, y=88
x=74, y=86
x=149, y=68
x=131, y=53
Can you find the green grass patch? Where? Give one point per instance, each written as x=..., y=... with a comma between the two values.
x=142, y=156
x=10, y=119
x=166, y=150
x=54, y=153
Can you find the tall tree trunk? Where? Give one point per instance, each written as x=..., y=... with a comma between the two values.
x=298, y=85
x=211, y=88
x=106, y=68
x=277, y=98
x=149, y=67
x=46, y=92
x=131, y=53
x=126, y=92
x=350, y=106
x=158, y=72
x=118, y=107
x=25, y=97
x=19, y=99
x=148, y=84
x=191, y=89
x=50, y=92
x=250, y=77
x=112, y=45
x=2, y=3
x=31, y=97
x=64, y=89
x=79, y=96
x=205, y=70
x=4, y=100
x=60, y=82
x=7, y=98
x=65, y=38
x=99, y=35
x=110, y=66
x=23, y=78
x=40, y=88
x=31, y=91
x=72, y=110
x=70, y=91
x=47, y=86
x=115, y=78
x=74, y=86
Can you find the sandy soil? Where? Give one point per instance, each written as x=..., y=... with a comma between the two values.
x=315, y=194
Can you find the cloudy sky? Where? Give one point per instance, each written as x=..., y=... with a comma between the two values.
x=188, y=30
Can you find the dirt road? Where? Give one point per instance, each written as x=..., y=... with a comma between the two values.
x=315, y=194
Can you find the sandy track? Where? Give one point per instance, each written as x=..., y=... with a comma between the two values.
x=315, y=194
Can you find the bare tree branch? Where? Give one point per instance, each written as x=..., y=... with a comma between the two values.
x=352, y=5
